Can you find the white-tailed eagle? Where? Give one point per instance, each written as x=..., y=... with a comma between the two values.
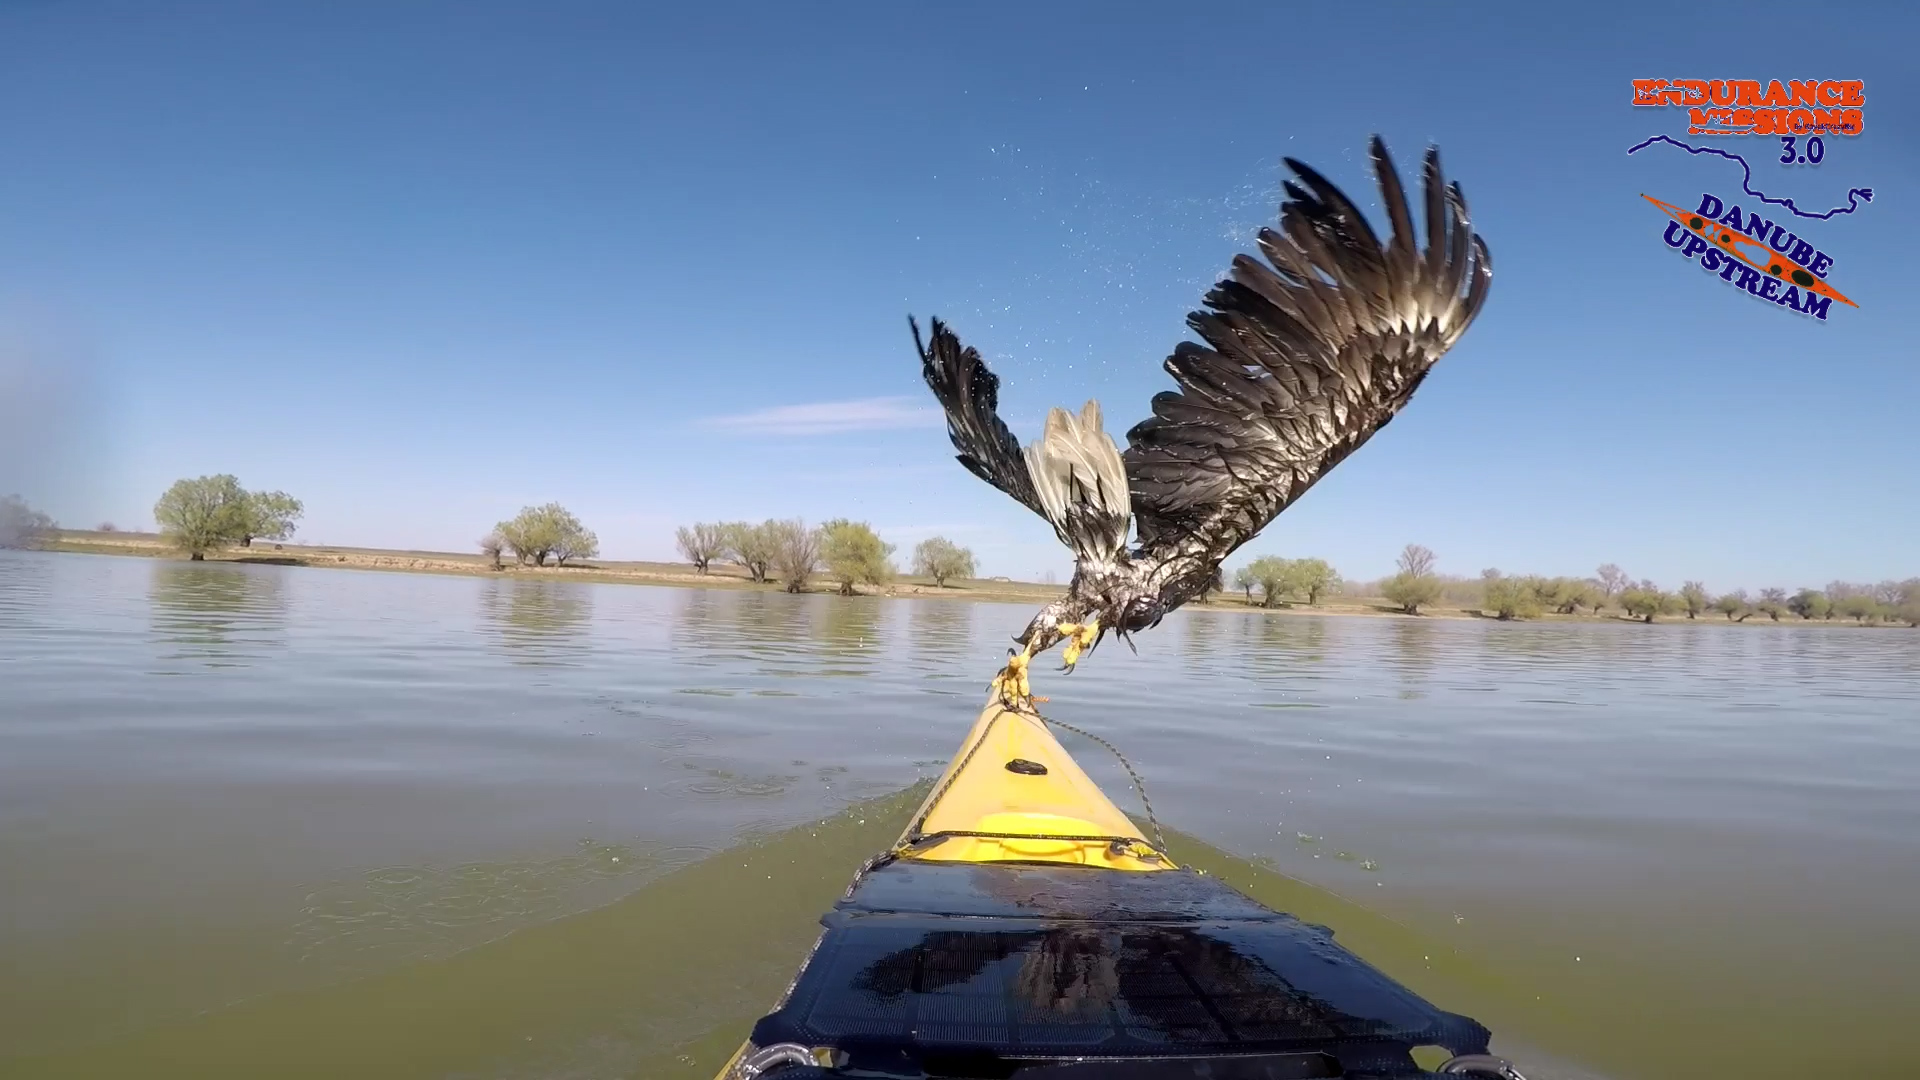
x=1305, y=357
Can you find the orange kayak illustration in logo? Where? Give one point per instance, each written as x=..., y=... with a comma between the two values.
x=1762, y=258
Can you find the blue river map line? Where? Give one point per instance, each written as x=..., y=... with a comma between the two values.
x=1854, y=197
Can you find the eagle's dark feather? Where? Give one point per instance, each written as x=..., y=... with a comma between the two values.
x=970, y=394
x=1304, y=360
x=1305, y=357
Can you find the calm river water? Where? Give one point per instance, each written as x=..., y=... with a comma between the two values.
x=260, y=820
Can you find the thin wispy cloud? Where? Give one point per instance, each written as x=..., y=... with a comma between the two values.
x=832, y=417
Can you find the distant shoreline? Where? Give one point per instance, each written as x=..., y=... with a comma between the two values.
x=728, y=576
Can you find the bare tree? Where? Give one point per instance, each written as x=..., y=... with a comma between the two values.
x=1416, y=561
x=1772, y=602
x=491, y=545
x=796, y=552
x=1612, y=579
x=701, y=544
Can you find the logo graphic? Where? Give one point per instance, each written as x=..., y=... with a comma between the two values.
x=1753, y=253
x=1854, y=197
x=1749, y=107
x=1759, y=251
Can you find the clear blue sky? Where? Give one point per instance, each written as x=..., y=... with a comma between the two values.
x=420, y=264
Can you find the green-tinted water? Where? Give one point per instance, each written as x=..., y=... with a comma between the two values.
x=268, y=821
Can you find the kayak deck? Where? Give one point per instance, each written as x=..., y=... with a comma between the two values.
x=953, y=969
x=1023, y=926
x=1014, y=794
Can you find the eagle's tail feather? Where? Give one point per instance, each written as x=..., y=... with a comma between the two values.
x=1082, y=482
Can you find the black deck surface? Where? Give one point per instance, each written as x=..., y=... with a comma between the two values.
x=995, y=968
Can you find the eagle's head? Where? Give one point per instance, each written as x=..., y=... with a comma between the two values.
x=1125, y=607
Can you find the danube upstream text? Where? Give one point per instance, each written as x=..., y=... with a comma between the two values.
x=1740, y=275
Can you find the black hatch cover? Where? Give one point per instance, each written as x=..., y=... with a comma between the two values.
x=1001, y=970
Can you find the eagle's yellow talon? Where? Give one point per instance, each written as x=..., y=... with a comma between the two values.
x=1080, y=638
x=1011, y=684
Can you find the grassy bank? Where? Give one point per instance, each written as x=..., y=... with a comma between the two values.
x=726, y=576
x=719, y=576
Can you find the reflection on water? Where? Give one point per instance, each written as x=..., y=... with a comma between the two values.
x=941, y=629
x=539, y=623
x=220, y=615
x=23, y=591
x=811, y=635
x=695, y=615
x=735, y=626
x=849, y=631
x=1292, y=639
x=1282, y=653
x=1412, y=655
x=773, y=623
x=1205, y=631
x=1535, y=644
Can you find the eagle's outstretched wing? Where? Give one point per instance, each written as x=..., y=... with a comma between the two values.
x=1072, y=476
x=1304, y=361
x=970, y=395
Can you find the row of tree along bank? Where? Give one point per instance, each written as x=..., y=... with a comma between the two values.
x=207, y=513
x=1417, y=586
x=850, y=553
